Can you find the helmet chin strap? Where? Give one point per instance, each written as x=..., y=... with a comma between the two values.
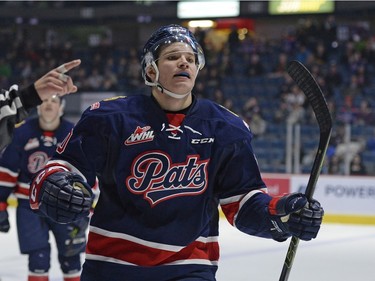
x=169, y=93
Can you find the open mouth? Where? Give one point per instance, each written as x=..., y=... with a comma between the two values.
x=182, y=74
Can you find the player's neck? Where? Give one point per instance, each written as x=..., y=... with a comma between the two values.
x=171, y=104
x=49, y=125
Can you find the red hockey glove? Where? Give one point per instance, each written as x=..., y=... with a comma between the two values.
x=4, y=221
x=61, y=195
x=293, y=215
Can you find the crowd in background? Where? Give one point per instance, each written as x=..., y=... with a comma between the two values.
x=247, y=76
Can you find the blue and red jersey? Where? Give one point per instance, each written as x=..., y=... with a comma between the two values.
x=29, y=151
x=162, y=178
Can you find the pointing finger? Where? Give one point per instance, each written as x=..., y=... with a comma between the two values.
x=68, y=66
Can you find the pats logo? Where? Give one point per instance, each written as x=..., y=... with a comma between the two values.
x=140, y=135
x=37, y=161
x=158, y=179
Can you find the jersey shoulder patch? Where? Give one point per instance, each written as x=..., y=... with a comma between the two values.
x=19, y=124
x=114, y=98
x=106, y=104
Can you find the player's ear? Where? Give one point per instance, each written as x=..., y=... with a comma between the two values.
x=151, y=73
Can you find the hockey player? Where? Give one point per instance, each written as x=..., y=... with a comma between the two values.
x=34, y=142
x=165, y=163
x=15, y=105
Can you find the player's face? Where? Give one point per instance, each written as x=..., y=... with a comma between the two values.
x=177, y=67
x=50, y=110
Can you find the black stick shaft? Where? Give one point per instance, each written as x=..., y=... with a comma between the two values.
x=309, y=86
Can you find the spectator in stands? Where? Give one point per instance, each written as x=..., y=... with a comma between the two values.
x=295, y=100
x=357, y=166
x=352, y=90
x=228, y=104
x=280, y=67
x=281, y=113
x=320, y=56
x=213, y=80
x=335, y=166
x=226, y=63
x=362, y=76
x=329, y=31
x=303, y=54
x=132, y=74
x=95, y=80
x=345, y=113
x=365, y=114
x=218, y=96
x=233, y=39
x=296, y=114
x=254, y=66
x=333, y=78
x=257, y=124
x=251, y=113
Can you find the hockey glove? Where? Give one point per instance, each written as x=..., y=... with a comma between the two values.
x=76, y=242
x=293, y=215
x=61, y=195
x=4, y=222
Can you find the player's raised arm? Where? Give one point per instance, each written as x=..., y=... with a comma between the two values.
x=15, y=104
x=57, y=81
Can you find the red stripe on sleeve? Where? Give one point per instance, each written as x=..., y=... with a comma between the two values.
x=230, y=210
x=5, y=177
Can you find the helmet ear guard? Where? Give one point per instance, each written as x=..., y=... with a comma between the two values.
x=152, y=67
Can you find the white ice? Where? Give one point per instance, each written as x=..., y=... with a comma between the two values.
x=340, y=253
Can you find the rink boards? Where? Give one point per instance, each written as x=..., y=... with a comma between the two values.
x=345, y=199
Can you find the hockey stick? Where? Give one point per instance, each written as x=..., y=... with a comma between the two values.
x=315, y=97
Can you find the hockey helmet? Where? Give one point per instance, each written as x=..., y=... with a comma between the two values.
x=167, y=35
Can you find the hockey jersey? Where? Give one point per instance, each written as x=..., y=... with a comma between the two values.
x=28, y=153
x=161, y=184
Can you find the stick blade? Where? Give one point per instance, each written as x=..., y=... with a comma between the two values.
x=303, y=78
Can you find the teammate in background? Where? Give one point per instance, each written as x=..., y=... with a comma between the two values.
x=165, y=163
x=15, y=105
x=34, y=141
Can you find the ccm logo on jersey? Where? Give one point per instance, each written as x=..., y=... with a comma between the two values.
x=201, y=141
x=140, y=135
